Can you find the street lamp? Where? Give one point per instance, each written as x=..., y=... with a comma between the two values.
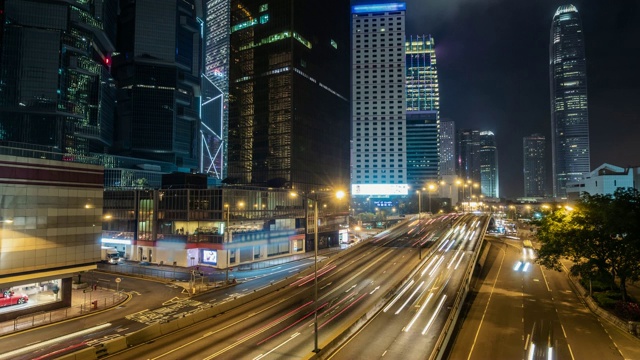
x=419, y=219
x=430, y=188
x=315, y=199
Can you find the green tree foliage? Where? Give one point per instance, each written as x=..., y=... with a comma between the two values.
x=601, y=236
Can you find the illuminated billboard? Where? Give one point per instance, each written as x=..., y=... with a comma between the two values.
x=379, y=189
x=377, y=8
x=210, y=257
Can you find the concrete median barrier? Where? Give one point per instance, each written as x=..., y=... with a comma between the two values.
x=141, y=336
x=84, y=354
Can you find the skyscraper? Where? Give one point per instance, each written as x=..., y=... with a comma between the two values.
x=55, y=87
x=378, y=155
x=158, y=73
x=533, y=149
x=447, y=148
x=288, y=106
x=468, y=162
x=215, y=88
x=487, y=155
x=423, y=111
x=569, y=113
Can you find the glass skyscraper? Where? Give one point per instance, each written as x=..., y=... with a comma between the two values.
x=158, y=73
x=423, y=111
x=288, y=88
x=569, y=113
x=533, y=148
x=487, y=155
x=55, y=88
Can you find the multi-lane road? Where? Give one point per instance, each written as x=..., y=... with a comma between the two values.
x=524, y=311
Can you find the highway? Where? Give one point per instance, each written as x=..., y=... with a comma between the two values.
x=280, y=325
x=408, y=327
x=516, y=304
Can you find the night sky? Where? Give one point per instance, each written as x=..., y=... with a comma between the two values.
x=493, y=64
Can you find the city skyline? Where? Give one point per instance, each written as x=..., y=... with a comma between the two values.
x=483, y=83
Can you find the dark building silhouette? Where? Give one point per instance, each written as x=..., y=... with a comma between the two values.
x=534, y=151
x=288, y=88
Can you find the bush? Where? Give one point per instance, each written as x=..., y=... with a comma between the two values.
x=606, y=299
x=628, y=311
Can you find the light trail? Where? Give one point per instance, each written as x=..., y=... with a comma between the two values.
x=417, y=315
x=398, y=296
x=409, y=299
x=434, y=315
x=429, y=265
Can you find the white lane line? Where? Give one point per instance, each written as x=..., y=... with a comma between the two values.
x=276, y=348
x=486, y=307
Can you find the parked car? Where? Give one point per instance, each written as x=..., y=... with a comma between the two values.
x=9, y=298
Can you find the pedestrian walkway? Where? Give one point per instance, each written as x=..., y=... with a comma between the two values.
x=83, y=302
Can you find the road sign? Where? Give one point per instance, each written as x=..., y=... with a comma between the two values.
x=118, y=280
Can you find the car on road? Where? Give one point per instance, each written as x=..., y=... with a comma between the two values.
x=9, y=298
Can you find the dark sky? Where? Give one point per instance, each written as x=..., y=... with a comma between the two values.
x=493, y=58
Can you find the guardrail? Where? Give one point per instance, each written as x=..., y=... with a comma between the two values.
x=445, y=335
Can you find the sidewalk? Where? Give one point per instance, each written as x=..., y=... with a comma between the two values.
x=82, y=303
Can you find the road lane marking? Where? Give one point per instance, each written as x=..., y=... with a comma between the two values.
x=486, y=307
x=276, y=348
x=545, y=278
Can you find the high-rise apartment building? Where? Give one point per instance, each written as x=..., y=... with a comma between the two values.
x=569, y=113
x=288, y=106
x=447, y=148
x=423, y=111
x=487, y=155
x=55, y=88
x=378, y=155
x=533, y=149
x=158, y=73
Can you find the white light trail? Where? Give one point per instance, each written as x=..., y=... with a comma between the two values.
x=531, y=351
x=526, y=266
x=417, y=315
x=453, y=259
x=443, y=245
x=436, y=267
x=429, y=265
x=435, y=313
x=398, y=296
x=517, y=267
x=455, y=268
x=409, y=299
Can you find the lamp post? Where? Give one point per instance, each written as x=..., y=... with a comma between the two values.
x=419, y=219
x=430, y=188
x=228, y=233
x=315, y=199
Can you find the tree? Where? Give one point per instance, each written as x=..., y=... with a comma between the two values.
x=601, y=236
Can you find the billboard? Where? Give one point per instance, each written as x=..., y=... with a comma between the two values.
x=379, y=189
x=210, y=256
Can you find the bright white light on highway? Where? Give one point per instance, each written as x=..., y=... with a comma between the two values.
x=434, y=315
x=450, y=245
x=398, y=296
x=550, y=354
x=532, y=351
x=443, y=245
x=532, y=254
x=517, y=267
x=429, y=265
x=409, y=299
x=459, y=262
x=526, y=266
x=406, y=329
x=436, y=267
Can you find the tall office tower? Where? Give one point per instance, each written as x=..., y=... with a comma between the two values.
x=569, y=113
x=55, y=87
x=468, y=162
x=487, y=155
x=288, y=106
x=158, y=72
x=215, y=88
x=447, y=148
x=533, y=149
x=423, y=111
x=378, y=157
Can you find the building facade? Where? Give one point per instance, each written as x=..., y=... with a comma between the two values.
x=447, y=148
x=488, y=163
x=158, y=75
x=378, y=95
x=422, y=111
x=288, y=106
x=569, y=111
x=55, y=88
x=468, y=164
x=604, y=180
x=50, y=216
x=534, y=169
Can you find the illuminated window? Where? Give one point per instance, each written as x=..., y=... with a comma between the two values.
x=264, y=7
